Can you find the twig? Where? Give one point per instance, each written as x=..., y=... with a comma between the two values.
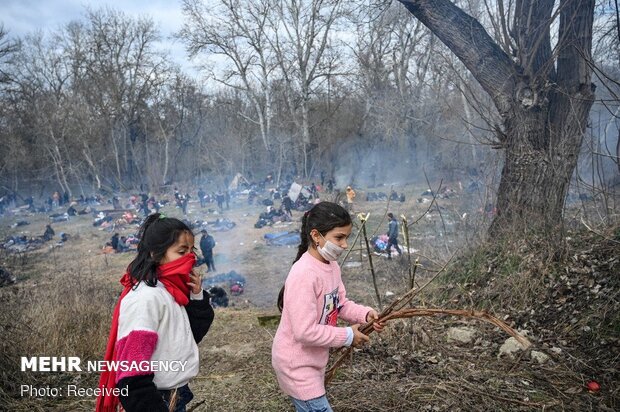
x=387, y=209
x=598, y=233
x=443, y=223
x=359, y=232
x=372, y=268
x=429, y=206
x=408, y=246
x=367, y=328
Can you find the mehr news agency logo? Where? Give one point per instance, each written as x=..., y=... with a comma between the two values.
x=74, y=364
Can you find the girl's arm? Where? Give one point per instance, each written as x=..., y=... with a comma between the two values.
x=138, y=321
x=200, y=314
x=142, y=394
x=300, y=301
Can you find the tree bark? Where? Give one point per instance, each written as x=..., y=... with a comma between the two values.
x=543, y=98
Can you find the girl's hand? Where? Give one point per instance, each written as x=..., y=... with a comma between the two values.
x=195, y=282
x=358, y=337
x=373, y=316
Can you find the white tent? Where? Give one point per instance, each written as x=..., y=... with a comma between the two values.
x=236, y=180
x=295, y=190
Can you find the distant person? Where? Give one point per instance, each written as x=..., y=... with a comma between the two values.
x=392, y=236
x=287, y=204
x=29, y=201
x=71, y=211
x=114, y=241
x=185, y=202
x=219, y=197
x=311, y=302
x=227, y=199
x=49, y=233
x=207, y=243
x=162, y=301
x=145, y=204
x=123, y=246
x=201, y=197
x=350, y=197
x=330, y=186
x=55, y=200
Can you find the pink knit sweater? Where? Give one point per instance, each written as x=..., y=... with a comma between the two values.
x=314, y=297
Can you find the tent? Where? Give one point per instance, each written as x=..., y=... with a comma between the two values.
x=296, y=189
x=239, y=178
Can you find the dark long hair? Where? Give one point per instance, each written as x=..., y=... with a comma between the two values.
x=156, y=234
x=323, y=217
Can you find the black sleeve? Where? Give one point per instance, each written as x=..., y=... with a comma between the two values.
x=200, y=314
x=142, y=394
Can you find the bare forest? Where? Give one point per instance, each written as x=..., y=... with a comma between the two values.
x=490, y=129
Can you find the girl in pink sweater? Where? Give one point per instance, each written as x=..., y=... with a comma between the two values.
x=311, y=301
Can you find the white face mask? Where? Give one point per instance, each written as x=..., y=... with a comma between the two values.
x=331, y=251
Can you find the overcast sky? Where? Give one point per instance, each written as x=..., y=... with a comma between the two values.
x=21, y=17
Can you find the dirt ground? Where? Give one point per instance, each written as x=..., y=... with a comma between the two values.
x=243, y=249
x=235, y=356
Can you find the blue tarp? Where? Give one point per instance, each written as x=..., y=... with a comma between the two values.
x=283, y=238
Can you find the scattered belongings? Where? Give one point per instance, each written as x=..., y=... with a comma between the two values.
x=6, y=277
x=228, y=279
x=289, y=238
x=374, y=197
x=379, y=244
x=221, y=225
x=20, y=223
x=102, y=218
x=19, y=244
x=219, y=298
x=217, y=285
x=59, y=217
x=120, y=244
x=271, y=216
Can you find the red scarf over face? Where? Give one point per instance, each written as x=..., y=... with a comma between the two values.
x=174, y=276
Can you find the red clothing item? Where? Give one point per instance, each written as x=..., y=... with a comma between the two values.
x=174, y=276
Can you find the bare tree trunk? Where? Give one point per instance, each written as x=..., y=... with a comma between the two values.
x=89, y=160
x=116, y=156
x=544, y=100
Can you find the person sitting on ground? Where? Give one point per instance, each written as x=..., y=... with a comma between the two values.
x=122, y=246
x=49, y=233
x=71, y=211
x=114, y=242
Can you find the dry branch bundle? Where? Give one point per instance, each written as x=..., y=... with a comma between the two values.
x=396, y=311
x=416, y=312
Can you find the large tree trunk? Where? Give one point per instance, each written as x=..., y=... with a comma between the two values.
x=543, y=99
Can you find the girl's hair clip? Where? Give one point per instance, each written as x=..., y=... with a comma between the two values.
x=162, y=216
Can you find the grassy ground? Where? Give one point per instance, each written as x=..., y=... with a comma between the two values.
x=63, y=301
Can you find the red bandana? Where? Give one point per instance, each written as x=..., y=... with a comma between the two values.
x=174, y=276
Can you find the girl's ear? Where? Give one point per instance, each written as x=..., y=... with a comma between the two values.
x=314, y=235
